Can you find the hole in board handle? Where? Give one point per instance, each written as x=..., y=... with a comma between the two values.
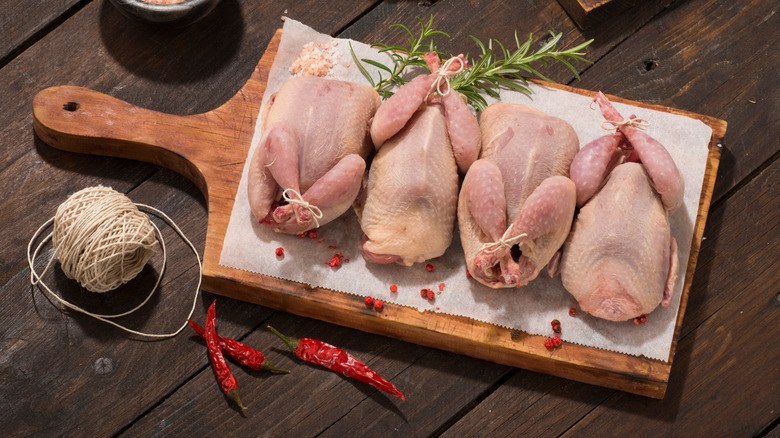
x=71, y=106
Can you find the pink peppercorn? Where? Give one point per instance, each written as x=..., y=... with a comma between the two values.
x=393, y=288
x=369, y=301
x=429, y=267
x=279, y=251
x=378, y=304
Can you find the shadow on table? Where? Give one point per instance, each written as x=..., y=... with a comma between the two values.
x=173, y=55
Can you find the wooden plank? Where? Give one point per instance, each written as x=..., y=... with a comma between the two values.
x=530, y=405
x=22, y=21
x=719, y=66
x=210, y=148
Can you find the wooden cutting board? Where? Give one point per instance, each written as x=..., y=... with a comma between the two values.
x=211, y=148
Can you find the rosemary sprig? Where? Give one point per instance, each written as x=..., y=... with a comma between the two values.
x=403, y=57
x=494, y=69
x=498, y=67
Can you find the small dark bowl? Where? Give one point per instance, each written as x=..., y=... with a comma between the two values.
x=177, y=14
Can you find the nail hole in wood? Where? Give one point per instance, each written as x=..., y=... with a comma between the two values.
x=650, y=64
x=71, y=106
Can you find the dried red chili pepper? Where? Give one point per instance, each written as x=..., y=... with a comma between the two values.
x=336, y=359
x=225, y=378
x=243, y=354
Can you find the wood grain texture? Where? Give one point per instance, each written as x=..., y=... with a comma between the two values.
x=209, y=148
x=22, y=20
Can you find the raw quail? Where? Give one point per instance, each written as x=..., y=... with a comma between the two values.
x=309, y=164
x=517, y=203
x=620, y=260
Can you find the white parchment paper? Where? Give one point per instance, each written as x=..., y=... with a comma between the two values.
x=251, y=247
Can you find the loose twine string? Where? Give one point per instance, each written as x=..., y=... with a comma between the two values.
x=103, y=240
x=316, y=213
x=444, y=75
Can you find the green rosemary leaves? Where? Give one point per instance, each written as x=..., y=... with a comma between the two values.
x=495, y=68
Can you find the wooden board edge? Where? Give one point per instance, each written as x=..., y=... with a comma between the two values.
x=708, y=186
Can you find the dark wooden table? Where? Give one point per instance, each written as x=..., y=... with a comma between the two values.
x=64, y=374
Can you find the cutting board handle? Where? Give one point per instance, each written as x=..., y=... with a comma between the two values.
x=208, y=148
x=77, y=119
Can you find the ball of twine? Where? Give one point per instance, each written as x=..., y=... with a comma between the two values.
x=101, y=238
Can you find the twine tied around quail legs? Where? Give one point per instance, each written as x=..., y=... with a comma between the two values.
x=297, y=199
x=504, y=242
x=445, y=73
x=636, y=122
